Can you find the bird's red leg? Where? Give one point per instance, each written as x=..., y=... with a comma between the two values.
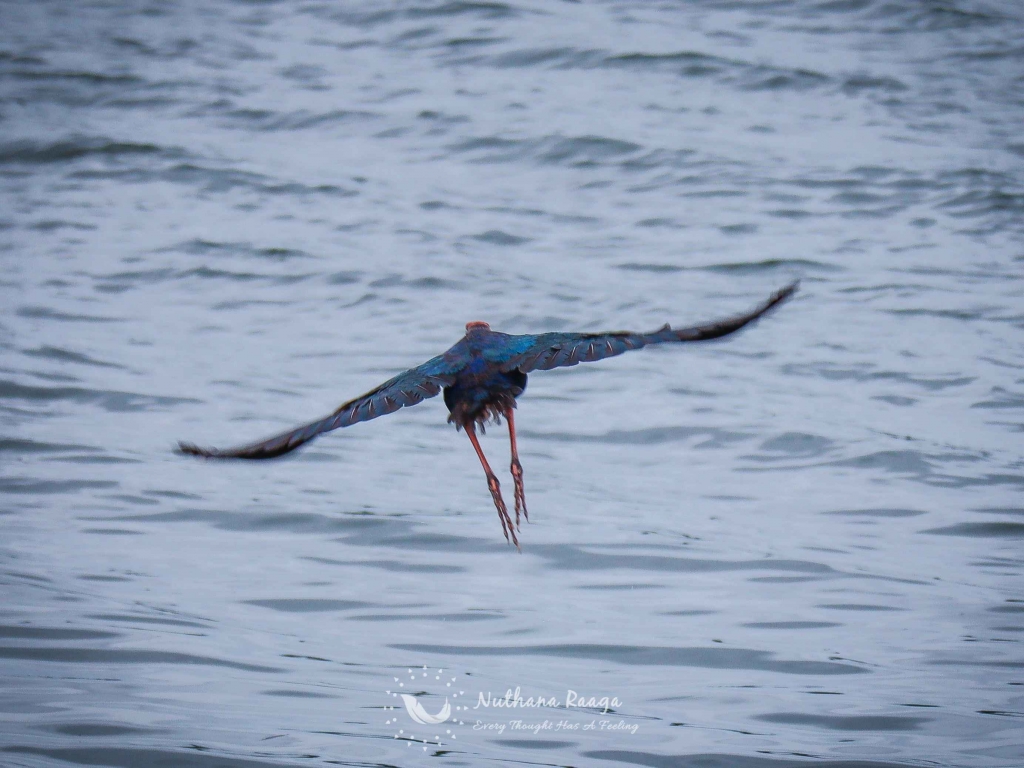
x=517, y=469
x=492, y=483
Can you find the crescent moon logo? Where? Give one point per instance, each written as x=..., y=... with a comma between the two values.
x=421, y=716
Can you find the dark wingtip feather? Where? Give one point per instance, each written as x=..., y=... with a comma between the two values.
x=783, y=293
x=720, y=328
x=191, y=449
x=780, y=296
x=268, y=449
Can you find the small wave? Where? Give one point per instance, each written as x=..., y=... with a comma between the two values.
x=619, y=587
x=22, y=632
x=344, y=278
x=471, y=42
x=19, y=446
x=356, y=529
x=292, y=694
x=744, y=760
x=574, y=150
x=934, y=17
x=230, y=306
x=857, y=84
x=1011, y=606
x=101, y=729
x=110, y=400
x=990, y=530
x=531, y=57
x=570, y=558
x=867, y=372
x=208, y=273
x=497, y=237
x=290, y=188
x=303, y=73
x=211, y=179
x=92, y=78
x=483, y=10
x=47, y=352
x=97, y=459
x=267, y=120
x=308, y=605
x=764, y=78
x=571, y=151
x=450, y=10
x=769, y=265
x=469, y=616
x=75, y=148
x=713, y=437
x=633, y=266
x=985, y=202
x=853, y=197
x=657, y=222
x=54, y=225
x=649, y=656
x=738, y=229
x=431, y=283
x=123, y=656
x=738, y=267
x=28, y=485
x=685, y=63
x=119, y=282
x=1001, y=510
x=172, y=48
x=790, y=213
x=899, y=462
x=847, y=722
x=949, y=314
x=879, y=512
x=15, y=58
x=793, y=445
x=980, y=192
x=397, y=566
x=742, y=74
x=914, y=465
x=45, y=313
x=112, y=531
x=131, y=618
x=199, y=247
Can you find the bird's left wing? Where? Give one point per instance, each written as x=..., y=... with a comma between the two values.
x=405, y=389
x=552, y=350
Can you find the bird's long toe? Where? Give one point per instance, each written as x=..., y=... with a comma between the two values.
x=506, y=521
x=517, y=477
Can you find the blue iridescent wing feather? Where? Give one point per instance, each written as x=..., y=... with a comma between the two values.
x=553, y=350
x=409, y=388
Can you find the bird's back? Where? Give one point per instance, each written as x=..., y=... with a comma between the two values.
x=482, y=389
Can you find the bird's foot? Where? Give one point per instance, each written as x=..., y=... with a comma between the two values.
x=517, y=477
x=506, y=522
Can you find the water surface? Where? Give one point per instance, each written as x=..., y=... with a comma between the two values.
x=799, y=545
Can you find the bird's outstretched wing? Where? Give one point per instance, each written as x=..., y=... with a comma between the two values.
x=552, y=350
x=407, y=388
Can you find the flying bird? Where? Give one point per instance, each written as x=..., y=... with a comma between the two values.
x=481, y=376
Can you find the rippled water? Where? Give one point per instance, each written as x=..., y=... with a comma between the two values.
x=802, y=544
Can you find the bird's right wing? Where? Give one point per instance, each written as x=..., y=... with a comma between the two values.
x=552, y=350
x=406, y=389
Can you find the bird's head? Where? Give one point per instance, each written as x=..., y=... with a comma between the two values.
x=477, y=325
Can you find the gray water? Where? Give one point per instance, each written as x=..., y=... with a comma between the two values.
x=800, y=545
